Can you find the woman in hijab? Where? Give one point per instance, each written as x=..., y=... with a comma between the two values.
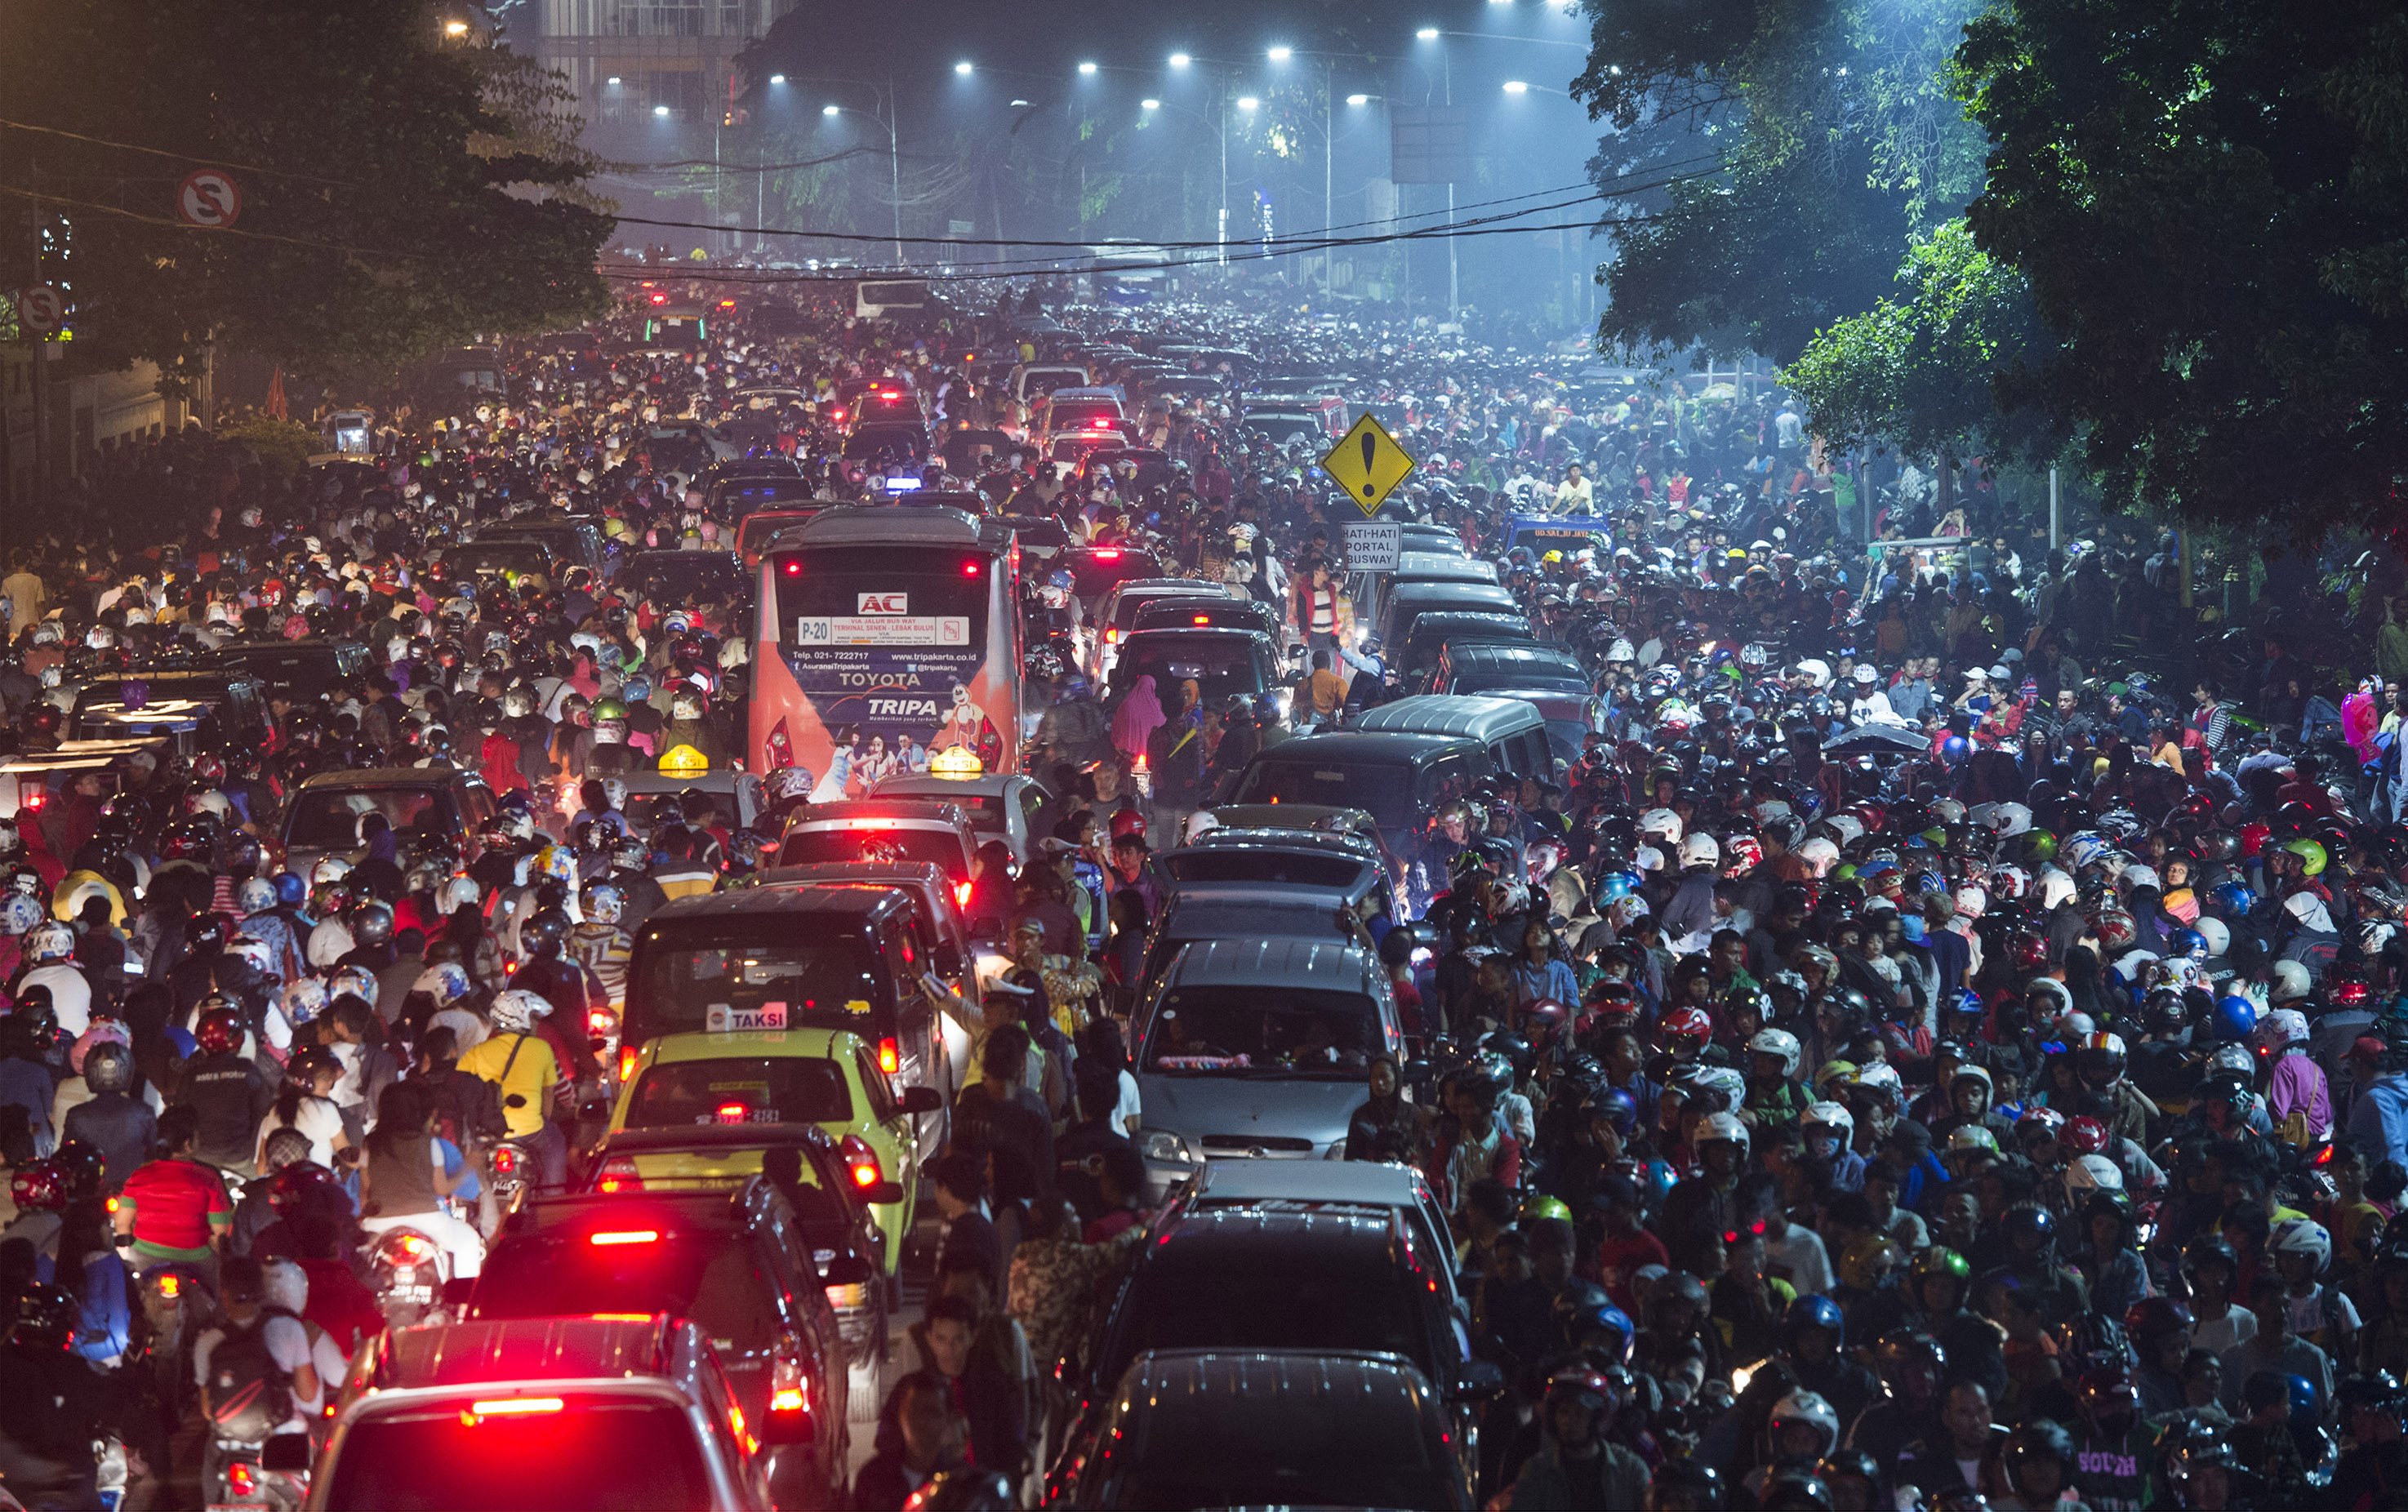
x=1137, y=718
x=1386, y=1127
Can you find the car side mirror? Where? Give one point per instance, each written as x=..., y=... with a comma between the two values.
x=1480, y=1379
x=459, y=1292
x=880, y=1192
x=1415, y=1071
x=847, y=1269
x=921, y=1100
x=285, y=1451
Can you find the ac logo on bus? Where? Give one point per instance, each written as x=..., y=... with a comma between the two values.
x=883, y=604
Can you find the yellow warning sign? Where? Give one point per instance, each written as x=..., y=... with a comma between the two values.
x=1367, y=464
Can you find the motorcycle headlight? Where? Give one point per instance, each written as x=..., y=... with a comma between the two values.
x=1164, y=1146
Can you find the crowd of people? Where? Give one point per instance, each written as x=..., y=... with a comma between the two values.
x=1904, y=1049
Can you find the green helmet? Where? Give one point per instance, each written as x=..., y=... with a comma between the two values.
x=1544, y=1207
x=2041, y=845
x=1939, y=1261
x=609, y=708
x=2311, y=855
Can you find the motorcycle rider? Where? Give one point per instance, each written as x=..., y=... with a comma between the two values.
x=174, y=1209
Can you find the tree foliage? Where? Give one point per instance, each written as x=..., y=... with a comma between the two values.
x=1834, y=140
x=2207, y=199
x=402, y=190
x=1922, y=368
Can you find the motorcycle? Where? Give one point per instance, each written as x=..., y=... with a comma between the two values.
x=274, y=1475
x=177, y=1304
x=408, y=1270
x=509, y=1169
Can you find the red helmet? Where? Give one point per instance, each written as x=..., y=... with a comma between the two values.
x=1127, y=821
x=219, y=1031
x=2086, y=1136
x=2031, y=952
x=40, y=1185
x=2254, y=835
x=1688, y=1025
x=2042, y=1119
x=2117, y=931
x=1542, y=1021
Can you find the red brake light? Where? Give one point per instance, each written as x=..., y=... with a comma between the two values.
x=863, y=1162
x=512, y=1407
x=33, y=798
x=618, y=1236
x=601, y=1021
x=731, y=1113
x=506, y=1159
x=961, y=895
x=626, y=1061
x=619, y=1175
x=242, y=1479
x=791, y=567
x=171, y=1286
x=789, y=1399
x=970, y=569
x=890, y=1055
x=1108, y=553
x=660, y=299
x=1203, y=618
x=1099, y=424
x=1112, y=633
x=727, y=304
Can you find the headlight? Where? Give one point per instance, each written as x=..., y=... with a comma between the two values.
x=1282, y=699
x=1164, y=1147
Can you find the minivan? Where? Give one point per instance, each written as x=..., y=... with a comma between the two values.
x=1398, y=778
x=1512, y=732
x=827, y=955
x=1372, y=590
x=1477, y=666
x=1256, y=1050
x=1408, y=601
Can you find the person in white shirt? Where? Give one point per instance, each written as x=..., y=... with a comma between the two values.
x=1869, y=704
x=1575, y=495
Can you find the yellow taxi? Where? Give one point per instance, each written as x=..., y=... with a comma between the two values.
x=765, y=1079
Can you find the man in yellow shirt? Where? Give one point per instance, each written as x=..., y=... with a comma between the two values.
x=520, y=1063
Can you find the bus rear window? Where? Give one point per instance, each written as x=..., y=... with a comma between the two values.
x=887, y=596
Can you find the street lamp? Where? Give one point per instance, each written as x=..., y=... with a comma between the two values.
x=1180, y=59
x=1358, y=99
x=963, y=69
x=1087, y=69
x=893, y=162
x=1282, y=53
x=455, y=28
x=1427, y=34
x=1149, y=104
x=1515, y=86
x=661, y=110
x=777, y=78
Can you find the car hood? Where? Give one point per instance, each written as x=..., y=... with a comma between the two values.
x=1200, y=1108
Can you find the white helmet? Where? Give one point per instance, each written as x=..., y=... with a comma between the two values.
x=1817, y=672
x=258, y=953
x=1724, y=1127
x=516, y=1010
x=455, y=894
x=2302, y=1236
x=19, y=914
x=328, y=944
x=256, y=894
x=304, y=1000
x=2056, y=888
x=1781, y=1045
x=329, y=869
x=2282, y=1027
x=2094, y=1173
x=52, y=941
x=1662, y=823
x=357, y=980
x=1819, y=855
x=1808, y=1409
x=1621, y=651
x=1701, y=851
x=1831, y=1116
x=1972, y=901
x=2213, y=929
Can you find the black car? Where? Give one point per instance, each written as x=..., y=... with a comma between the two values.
x=198, y=710
x=739, y=1265
x=301, y=668
x=1395, y=777
x=1241, y=1279
x=685, y=576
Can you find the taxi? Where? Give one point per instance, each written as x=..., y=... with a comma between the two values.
x=723, y=1082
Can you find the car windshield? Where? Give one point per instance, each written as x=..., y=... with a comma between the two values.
x=1384, y=792
x=724, y=985
x=499, y=556
x=329, y=819
x=679, y=577
x=1219, y=667
x=1297, y=1299
x=773, y=1089
x=1213, y=1029
x=596, y=1454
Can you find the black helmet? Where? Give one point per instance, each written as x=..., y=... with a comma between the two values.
x=46, y=1317
x=80, y=1167
x=1685, y=1486
x=544, y=932
x=372, y=923
x=109, y=1067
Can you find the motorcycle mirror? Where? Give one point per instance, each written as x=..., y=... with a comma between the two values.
x=457, y=1293
x=285, y=1451
x=847, y=1269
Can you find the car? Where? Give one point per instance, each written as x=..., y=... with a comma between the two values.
x=1221, y=663
x=1298, y=857
x=888, y=444
x=1096, y=570
x=828, y=1077
x=1405, y=602
x=323, y=816
x=1512, y=732
x=1273, y=1427
x=754, y=532
x=1395, y=777
x=301, y=669
x=1370, y=590
x=918, y=828
x=1217, y=611
x=1031, y=382
x=1572, y=717
x=1280, y=1276
x=1485, y=666
x=1080, y=410
x=669, y=578
x=507, y=557
x=1409, y=663
x=1252, y=1049
x=1286, y=427
x=574, y=543
x=34, y=779
x=194, y=711
x=1200, y=912
x=627, y=1411
x=736, y=795
x=1376, y=1188
x=1002, y=805
x=737, y=1263
x=1417, y=536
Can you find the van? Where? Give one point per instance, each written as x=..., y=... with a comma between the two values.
x=1479, y=666
x=826, y=955
x=1404, y=603
x=1512, y=732
x=1370, y=590
x=1395, y=778
x=1032, y=381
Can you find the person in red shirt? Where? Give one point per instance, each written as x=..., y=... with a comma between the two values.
x=1627, y=1247
x=174, y=1210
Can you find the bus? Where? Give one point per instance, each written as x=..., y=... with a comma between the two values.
x=889, y=642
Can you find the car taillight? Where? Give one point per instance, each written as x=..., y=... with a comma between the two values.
x=790, y=1389
x=619, y=1174
x=732, y=1113
x=610, y=1237
x=512, y=1407
x=962, y=894
x=863, y=1162
x=171, y=1284
x=890, y=1055
x=1111, y=634
x=792, y=568
x=1107, y=554
x=1203, y=618
x=626, y=1061
x=970, y=569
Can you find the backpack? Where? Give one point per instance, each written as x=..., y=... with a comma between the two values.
x=251, y=1395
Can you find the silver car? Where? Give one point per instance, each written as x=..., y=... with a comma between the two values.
x=1258, y=1049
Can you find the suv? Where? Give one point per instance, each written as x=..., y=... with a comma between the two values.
x=588, y=1412
x=574, y=542
x=198, y=710
x=1220, y=662
x=885, y=830
x=1117, y=614
x=324, y=815
x=301, y=668
x=1395, y=777
x=824, y=955
x=1256, y=1050
x=738, y=1265
x=1195, y=913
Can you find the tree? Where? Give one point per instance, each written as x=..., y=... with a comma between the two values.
x=403, y=188
x=1921, y=369
x=1833, y=139
x=2206, y=197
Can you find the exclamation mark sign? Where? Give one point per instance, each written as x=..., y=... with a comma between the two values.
x=1370, y=447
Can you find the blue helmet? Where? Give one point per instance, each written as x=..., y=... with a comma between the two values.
x=2235, y=898
x=1615, y=886
x=2186, y=942
x=2235, y=1017
x=1956, y=749
x=2303, y=1401
x=1618, y=1109
x=1605, y=1315
x=290, y=892
x=1814, y=1310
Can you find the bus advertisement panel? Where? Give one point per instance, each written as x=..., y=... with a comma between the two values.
x=889, y=637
